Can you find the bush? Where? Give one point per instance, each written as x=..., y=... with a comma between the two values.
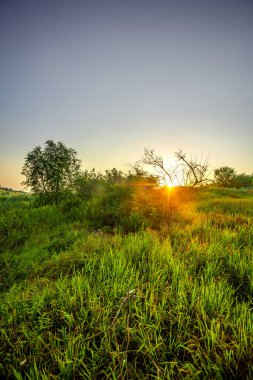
x=243, y=180
x=133, y=222
x=15, y=229
x=70, y=202
x=227, y=177
x=61, y=240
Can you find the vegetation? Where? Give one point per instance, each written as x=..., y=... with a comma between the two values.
x=189, y=171
x=111, y=276
x=227, y=177
x=124, y=280
x=51, y=171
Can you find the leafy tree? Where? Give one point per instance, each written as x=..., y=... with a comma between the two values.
x=114, y=176
x=243, y=180
x=225, y=176
x=90, y=183
x=51, y=171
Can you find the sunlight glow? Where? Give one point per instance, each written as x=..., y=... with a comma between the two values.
x=169, y=187
x=169, y=184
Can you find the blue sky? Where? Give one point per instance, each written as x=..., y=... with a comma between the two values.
x=110, y=77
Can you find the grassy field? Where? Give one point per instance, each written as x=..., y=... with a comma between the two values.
x=169, y=301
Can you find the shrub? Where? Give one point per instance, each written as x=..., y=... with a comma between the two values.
x=15, y=229
x=133, y=222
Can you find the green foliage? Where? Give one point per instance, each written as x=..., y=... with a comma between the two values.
x=243, y=180
x=60, y=240
x=70, y=201
x=227, y=177
x=50, y=171
x=133, y=222
x=14, y=229
x=114, y=176
x=109, y=198
x=166, y=294
x=224, y=176
x=89, y=184
x=106, y=208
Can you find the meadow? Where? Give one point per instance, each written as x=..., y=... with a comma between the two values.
x=158, y=288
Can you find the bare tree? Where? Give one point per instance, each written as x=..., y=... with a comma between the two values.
x=194, y=171
x=152, y=159
x=190, y=171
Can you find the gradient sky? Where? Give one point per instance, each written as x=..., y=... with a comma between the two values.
x=110, y=77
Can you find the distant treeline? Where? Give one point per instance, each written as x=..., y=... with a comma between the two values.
x=11, y=189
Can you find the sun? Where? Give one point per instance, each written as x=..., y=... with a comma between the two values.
x=169, y=183
x=169, y=186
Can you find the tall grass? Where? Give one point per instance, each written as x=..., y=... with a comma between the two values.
x=170, y=303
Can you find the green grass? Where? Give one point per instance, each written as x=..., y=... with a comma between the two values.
x=171, y=303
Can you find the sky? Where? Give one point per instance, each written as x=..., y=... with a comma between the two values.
x=110, y=77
